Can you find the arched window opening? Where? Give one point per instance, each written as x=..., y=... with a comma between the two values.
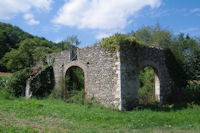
x=74, y=84
x=149, y=86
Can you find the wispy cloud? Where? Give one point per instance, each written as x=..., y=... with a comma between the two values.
x=30, y=19
x=10, y=8
x=195, y=11
x=154, y=13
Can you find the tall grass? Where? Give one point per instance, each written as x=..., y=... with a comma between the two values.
x=50, y=115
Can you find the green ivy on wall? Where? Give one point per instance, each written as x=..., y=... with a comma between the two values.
x=43, y=83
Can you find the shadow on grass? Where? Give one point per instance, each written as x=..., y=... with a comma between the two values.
x=165, y=108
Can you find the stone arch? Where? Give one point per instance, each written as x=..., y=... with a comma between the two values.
x=160, y=74
x=157, y=84
x=82, y=66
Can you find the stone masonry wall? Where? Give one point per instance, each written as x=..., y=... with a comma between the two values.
x=112, y=78
x=101, y=73
x=132, y=60
x=103, y=81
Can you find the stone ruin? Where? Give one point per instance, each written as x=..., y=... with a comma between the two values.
x=111, y=78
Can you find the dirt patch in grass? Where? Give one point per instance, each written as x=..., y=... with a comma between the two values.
x=1, y=112
x=50, y=119
x=50, y=124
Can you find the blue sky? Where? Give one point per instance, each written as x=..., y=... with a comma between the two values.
x=92, y=20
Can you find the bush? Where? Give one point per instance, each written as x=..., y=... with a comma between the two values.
x=43, y=83
x=114, y=43
x=147, y=86
x=3, y=82
x=17, y=82
x=191, y=94
x=4, y=94
x=77, y=97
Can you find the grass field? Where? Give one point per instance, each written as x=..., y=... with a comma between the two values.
x=18, y=115
x=50, y=115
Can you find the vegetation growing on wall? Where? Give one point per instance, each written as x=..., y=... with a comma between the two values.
x=43, y=83
x=117, y=41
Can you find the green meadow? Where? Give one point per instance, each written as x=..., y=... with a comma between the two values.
x=18, y=115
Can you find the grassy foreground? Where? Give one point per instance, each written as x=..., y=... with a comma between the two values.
x=50, y=115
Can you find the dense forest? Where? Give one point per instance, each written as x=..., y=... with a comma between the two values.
x=20, y=49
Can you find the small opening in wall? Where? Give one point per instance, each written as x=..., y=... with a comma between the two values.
x=73, y=54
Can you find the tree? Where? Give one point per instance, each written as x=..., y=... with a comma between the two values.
x=153, y=36
x=29, y=51
x=187, y=51
x=73, y=40
x=70, y=43
x=20, y=58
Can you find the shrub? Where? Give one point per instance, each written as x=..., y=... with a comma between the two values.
x=3, y=82
x=43, y=83
x=147, y=87
x=114, y=43
x=17, y=82
x=4, y=94
x=191, y=94
x=77, y=97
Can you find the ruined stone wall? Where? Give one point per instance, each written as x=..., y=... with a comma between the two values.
x=111, y=78
x=61, y=59
x=155, y=57
x=101, y=72
x=132, y=60
x=103, y=69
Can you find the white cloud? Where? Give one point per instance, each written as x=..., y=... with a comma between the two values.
x=9, y=8
x=102, y=35
x=58, y=40
x=106, y=15
x=157, y=13
x=193, y=31
x=30, y=19
x=195, y=11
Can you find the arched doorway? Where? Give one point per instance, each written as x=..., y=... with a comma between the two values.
x=75, y=80
x=149, y=86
